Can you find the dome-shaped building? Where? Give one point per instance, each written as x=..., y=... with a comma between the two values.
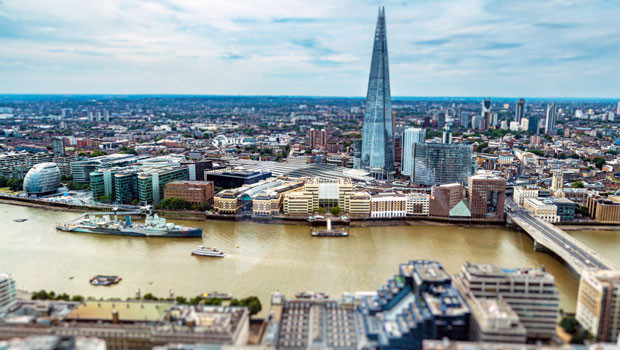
x=43, y=178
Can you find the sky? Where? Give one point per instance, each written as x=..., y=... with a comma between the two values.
x=520, y=48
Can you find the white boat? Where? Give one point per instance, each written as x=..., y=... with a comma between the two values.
x=203, y=251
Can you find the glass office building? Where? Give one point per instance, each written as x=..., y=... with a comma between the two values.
x=43, y=178
x=378, y=132
x=438, y=163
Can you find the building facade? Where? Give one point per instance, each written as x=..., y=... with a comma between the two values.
x=41, y=179
x=598, y=304
x=443, y=198
x=195, y=192
x=437, y=163
x=388, y=205
x=487, y=194
x=418, y=203
x=531, y=293
x=410, y=136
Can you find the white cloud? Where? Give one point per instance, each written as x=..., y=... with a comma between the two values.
x=448, y=47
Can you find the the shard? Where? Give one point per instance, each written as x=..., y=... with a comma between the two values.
x=378, y=133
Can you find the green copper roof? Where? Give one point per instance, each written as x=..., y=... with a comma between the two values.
x=461, y=210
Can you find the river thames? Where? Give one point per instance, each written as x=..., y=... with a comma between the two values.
x=268, y=258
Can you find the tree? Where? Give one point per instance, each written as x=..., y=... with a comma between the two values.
x=97, y=153
x=580, y=337
x=77, y=298
x=4, y=182
x=577, y=184
x=252, y=303
x=181, y=300
x=321, y=211
x=582, y=210
x=599, y=162
x=335, y=211
x=569, y=324
x=15, y=184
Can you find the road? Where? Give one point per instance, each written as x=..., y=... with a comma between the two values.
x=578, y=251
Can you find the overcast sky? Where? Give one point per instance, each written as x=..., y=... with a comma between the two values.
x=530, y=48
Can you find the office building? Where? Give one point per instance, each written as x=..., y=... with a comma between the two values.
x=317, y=138
x=487, y=194
x=378, y=135
x=153, y=180
x=299, y=203
x=485, y=115
x=530, y=292
x=465, y=120
x=233, y=178
x=606, y=210
x=194, y=192
x=410, y=136
x=521, y=193
x=550, y=119
x=543, y=209
x=357, y=204
x=388, y=205
x=493, y=320
x=8, y=294
x=436, y=163
x=418, y=303
x=418, y=203
x=446, y=136
x=269, y=202
x=520, y=110
x=197, y=168
x=42, y=179
x=565, y=208
x=533, y=125
x=598, y=304
x=444, y=198
x=58, y=146
x=312, y=324
x=357, y=154
x=81, y=169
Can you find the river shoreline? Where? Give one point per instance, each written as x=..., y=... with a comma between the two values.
x=300, y=221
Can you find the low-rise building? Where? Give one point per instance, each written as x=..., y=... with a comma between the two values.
x=418, y=203
x=606, y=210
x=388, y=205
x=521, y=193
x=299, y=203
x=357, y=204
x=7, y=290
x=487, y=194
x=544, y=209
x=493, y=320
x=269, y=202
x=195, y=192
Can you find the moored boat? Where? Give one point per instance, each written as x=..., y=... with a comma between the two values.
x=217, y=295
x=153, y=226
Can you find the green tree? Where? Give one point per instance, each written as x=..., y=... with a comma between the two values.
x=77, y=298
x=580, y=337
x=15, y=184
x=181, y=300
x=321, y=211
x=4, y=181
x=577, y=184
x=149, y=296
x=335, y=211
x=97, y=153
x=252, y=303
x=599, y=162
x=569, y=324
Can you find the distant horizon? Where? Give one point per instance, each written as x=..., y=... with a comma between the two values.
x=397, y=98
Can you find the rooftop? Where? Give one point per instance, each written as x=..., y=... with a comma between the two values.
x=128, y=311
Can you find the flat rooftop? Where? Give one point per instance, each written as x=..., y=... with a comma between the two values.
x=128, y=311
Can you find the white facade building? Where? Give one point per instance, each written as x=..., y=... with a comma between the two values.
x=418, y=203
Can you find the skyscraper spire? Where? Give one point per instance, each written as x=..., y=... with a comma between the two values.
x=378, y=131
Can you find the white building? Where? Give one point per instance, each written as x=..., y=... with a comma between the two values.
x=410, y=136
x=388, y=205
x=7, y=290
x=418, y=203
x=542, y=209
x=522, y=193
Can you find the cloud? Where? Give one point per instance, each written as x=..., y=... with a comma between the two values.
x=309, y=47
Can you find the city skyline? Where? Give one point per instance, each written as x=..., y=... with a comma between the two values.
x=448, y=48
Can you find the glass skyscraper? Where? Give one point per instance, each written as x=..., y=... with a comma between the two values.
x=378, y=133
x=410, y=136
x=438, y=163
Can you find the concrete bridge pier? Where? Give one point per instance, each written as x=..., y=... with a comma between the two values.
x=538, y=247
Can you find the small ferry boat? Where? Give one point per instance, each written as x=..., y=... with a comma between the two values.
x=104, y=280
x=204, y=251
x=311, y=295
x=217, y=295
x=20, y=220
